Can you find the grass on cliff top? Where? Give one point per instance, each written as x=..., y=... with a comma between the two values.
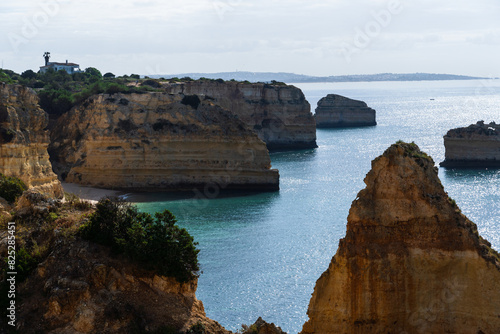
x=412, y=150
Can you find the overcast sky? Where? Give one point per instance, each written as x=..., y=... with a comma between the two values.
x=315, y=37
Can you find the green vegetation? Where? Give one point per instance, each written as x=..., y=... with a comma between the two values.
x=11, y=187
x=413, y=150
x=60, y=91
x=155, y=242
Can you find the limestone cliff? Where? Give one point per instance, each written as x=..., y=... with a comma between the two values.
x=82, y=288
x=477, y=145
x=336, y=111
x=158, y=141
x=278, y=113
x=24, y=140
x=410, y=261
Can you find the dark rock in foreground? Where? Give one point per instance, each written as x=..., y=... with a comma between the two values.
x=336, y=111
x=477, y=145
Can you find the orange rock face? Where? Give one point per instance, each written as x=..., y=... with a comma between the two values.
x=410, y=261
x=24, y=140
x=279, y=114
x=159, y=141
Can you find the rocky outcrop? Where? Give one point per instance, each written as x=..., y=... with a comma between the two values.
x=262, y=327
x=410, y=261
x=82, y=288
x=159, y=141
x=24, y=140
x=336, y=111
x=278, y=113
x=477, y=145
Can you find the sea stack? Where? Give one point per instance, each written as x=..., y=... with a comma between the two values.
x=477, y=145
x=410, y=262
x=157, y=141
x=278, y=113
x=24, y=140
x=336, y=111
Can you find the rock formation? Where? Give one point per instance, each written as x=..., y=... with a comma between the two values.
x=278, y=113
x=477, y=145
x=335, y=111
x=410, y=261
x=82, y=288
x=24, y=140
x=158, y=141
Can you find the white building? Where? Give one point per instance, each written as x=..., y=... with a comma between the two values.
x=68, y=67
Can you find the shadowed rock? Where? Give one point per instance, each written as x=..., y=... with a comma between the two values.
x=336, y=111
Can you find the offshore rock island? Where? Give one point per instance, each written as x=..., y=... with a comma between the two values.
x=158, y=141
x=410, y=262
x=336, y=111
x=477, y=145
x=278, y=113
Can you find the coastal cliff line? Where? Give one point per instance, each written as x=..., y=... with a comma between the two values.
x=158, y=141
x=278, y=113
x=410, y=262
x=24, y=140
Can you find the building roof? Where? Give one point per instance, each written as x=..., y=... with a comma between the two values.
x=62, y=64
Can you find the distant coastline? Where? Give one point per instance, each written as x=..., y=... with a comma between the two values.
x=300, y=78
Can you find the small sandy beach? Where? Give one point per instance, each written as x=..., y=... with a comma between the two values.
x=88, y=193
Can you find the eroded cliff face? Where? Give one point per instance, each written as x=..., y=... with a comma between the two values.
x=279, y=114
x=477, y=145
x=410, y=261
x=334, y=111
x=24, y=140
x=158, y=141
x=82, y=288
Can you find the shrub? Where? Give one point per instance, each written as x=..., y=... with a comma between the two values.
x=155, y=242
x=11, y=187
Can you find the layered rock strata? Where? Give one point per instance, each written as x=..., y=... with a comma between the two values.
x=335, y=111
x=159, y=141
x=82, y=288
x=278, y=113
x=477, y=145
x=24, y=140
x=410, y=261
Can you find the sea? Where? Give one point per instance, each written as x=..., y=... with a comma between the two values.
x=261, y=253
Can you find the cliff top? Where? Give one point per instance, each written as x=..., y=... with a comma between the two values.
x=474, y=130
x=403, y=192
x=334, y=100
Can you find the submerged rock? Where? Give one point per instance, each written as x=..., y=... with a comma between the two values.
x=278, y=113
x=336, y=111
x=24, y=140
x=410, y=262
x=477, y=145
x=158, y=141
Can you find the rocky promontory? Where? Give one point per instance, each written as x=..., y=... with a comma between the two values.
x=410, y=262
x=477, y=145
x=336, y=111
x=24, y=140
x=278, y=113
x=159, y=141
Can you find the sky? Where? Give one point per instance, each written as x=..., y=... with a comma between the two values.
x=312, y=37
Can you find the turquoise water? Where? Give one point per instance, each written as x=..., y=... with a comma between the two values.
x=261, y=254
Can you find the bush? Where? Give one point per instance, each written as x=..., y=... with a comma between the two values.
x=11, y=187
x=55, y=102
x=157, y=243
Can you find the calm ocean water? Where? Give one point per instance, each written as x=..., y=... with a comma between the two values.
x=261, y=254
